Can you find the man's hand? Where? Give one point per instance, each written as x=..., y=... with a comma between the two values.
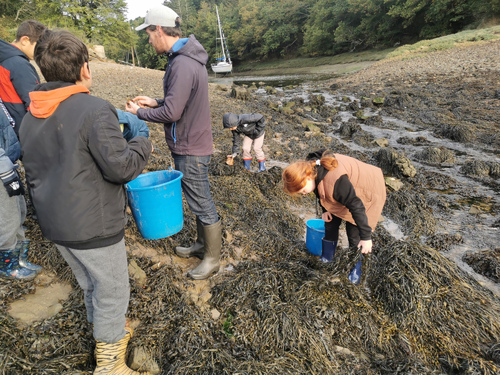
x=145, y=102
x=140, y=102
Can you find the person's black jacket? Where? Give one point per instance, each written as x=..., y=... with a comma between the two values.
x=77, y=163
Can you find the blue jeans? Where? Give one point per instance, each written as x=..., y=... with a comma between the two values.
x=196, y=187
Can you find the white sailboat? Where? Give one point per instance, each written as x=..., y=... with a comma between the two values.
x=224, y=64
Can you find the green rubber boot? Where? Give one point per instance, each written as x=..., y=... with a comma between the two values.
x=198, y=248
x=211, y=261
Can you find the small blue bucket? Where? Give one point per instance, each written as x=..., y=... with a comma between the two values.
x=156, y=202
x=314, y=235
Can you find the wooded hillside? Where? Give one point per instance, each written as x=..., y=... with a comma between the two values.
x=261, y=29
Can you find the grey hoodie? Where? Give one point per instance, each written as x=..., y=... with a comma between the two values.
x=185, y=109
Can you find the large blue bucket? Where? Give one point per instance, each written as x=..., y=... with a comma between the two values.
x=314, y=235
x=156, y=202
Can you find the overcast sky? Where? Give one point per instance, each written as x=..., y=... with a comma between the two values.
x=138, y=8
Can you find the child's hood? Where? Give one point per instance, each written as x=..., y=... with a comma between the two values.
x=230, y=120
x=47, y=97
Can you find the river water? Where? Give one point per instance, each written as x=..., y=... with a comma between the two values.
x=477, y=229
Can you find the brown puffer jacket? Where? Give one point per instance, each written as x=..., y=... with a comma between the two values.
x=368, y=181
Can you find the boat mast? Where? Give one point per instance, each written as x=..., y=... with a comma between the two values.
x=220, y=33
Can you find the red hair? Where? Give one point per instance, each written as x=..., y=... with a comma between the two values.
x=294, y=176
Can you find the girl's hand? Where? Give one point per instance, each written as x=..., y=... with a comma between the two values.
x=365, y=246
x=326, y=216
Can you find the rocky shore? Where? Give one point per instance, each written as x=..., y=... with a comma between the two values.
x=430, y=122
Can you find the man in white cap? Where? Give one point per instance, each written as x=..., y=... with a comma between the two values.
x=185, y=113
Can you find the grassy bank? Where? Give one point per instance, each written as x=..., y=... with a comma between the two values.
x=349, y=62
x=303, y=63
x=462, y=38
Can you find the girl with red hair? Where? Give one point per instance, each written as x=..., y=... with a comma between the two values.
x=348, y=190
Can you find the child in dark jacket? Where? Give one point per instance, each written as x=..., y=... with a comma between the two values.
x=77, y=162
x=17, y=78
x=252, y=127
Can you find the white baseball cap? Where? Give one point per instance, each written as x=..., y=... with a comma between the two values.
x=159, y=15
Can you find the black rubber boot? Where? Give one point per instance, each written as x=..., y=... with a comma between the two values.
x=198, y=248
x=211, y=261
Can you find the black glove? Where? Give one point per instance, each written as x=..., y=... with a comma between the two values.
x=12, y=183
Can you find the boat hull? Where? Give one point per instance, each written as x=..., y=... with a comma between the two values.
x=222, y=67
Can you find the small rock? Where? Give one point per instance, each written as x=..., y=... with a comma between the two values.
x=240, y=93
x=381, y=142
x=215, y=314
x=140, y=360
x=393, y=183
x=313, y=128
x=137, y=273
x=286, y=110
x=474, y=210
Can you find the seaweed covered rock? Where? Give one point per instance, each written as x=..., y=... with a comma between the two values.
x=444, y=241
x=410, y=210
x=418, y=141
x=479, y=168
x=458, y=133
x=395, y=163
x=436, y=155
x=485, y=262
x=240, y=93
x=446, y=316
x=347, y=129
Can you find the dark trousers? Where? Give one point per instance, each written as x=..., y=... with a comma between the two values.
x=332, y=231
x=196, y=187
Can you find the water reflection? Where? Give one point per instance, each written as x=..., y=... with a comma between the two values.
x=277, y=81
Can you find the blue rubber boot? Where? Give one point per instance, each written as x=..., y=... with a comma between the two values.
x=327, y=250
x=10, y=267
x=262, y=166
x=246, y=163
x=23, y=258
x=355, y=274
